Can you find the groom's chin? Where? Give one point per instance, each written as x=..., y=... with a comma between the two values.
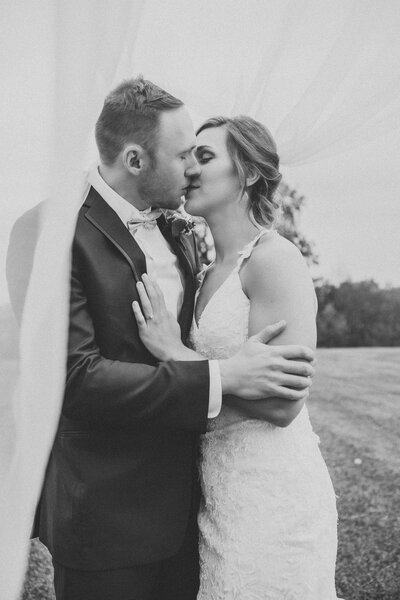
x=172, y=203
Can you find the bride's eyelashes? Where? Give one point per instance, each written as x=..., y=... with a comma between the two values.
x=204, y=157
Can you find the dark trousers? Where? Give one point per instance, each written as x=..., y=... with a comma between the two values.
x=175, y=578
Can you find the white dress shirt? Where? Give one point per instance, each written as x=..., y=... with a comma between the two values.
x=162, y=265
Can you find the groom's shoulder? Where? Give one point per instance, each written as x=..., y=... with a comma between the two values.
x=84, y=224
x=93, y=201
x=91, y=198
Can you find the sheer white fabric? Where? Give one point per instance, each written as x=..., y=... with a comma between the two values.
x=87, y=43
x=322, y=76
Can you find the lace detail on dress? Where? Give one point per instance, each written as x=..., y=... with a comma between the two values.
x=268, y=516
x=223, y=324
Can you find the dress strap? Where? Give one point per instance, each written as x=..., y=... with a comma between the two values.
x=248, y=249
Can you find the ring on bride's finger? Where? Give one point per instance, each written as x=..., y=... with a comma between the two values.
x=149, y=317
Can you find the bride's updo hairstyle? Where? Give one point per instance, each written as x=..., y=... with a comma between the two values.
x=254, y=155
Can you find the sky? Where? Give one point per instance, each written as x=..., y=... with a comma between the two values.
x=352, y=207
x=353, y=215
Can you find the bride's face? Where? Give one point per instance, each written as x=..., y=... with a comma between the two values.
x=218, y=184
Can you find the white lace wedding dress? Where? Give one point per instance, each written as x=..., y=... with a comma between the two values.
x=268, y=515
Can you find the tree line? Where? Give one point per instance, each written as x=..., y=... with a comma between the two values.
x=351, y=313
x=358, y=314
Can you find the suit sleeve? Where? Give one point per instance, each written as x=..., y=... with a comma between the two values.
x=101, y=392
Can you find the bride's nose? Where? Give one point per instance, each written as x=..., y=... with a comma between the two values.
x=193, y=168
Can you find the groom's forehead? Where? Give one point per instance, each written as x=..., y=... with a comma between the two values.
x=176, y=130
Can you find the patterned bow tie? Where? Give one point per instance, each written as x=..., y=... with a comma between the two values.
x=145, y=220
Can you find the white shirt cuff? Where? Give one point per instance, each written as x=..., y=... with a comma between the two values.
x=215, y=399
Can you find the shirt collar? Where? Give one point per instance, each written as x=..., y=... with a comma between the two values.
x=124, y=209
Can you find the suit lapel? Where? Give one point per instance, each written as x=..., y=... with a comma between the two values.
x=180, y=246
x=101, y=215
x=185, y=254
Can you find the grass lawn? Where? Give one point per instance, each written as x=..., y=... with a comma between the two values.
x=355, y=408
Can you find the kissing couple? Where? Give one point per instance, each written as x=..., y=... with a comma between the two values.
x=185, y=465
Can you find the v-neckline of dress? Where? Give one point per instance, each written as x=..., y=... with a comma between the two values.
x=200, y=316
x=244, y=253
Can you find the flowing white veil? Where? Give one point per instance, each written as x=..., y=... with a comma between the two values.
x=322, y=76
x=87, y=49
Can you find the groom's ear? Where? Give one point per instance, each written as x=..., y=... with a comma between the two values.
x=133, y=158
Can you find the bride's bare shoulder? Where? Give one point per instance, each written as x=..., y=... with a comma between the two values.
x=275, y=260
x=274, y=251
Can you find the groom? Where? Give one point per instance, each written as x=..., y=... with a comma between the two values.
x=119, y=502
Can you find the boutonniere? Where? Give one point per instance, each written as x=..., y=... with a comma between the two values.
x=180, y=222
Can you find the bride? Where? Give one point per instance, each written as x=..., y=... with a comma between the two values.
x=268, y=515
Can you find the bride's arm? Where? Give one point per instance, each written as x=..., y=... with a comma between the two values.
x=277, y=281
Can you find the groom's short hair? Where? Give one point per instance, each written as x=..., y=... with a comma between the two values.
x=131, y=113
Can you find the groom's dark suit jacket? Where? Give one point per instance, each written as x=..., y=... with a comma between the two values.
x=121, y=478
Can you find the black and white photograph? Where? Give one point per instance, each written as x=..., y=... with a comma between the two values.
x=200, y=300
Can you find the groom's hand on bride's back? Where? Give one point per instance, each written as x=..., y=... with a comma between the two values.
x=260, y=371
